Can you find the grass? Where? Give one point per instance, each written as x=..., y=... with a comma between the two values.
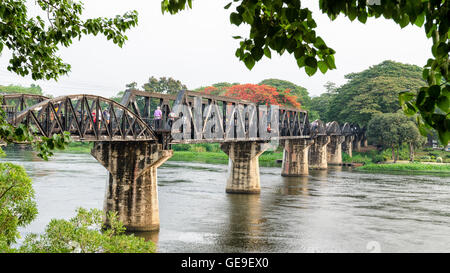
x=267, y=159
x=407, y=167
x=78, y=148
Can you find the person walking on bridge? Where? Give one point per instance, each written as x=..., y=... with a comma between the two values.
x=157, y=115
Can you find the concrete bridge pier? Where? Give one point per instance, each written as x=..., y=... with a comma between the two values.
x=334, y=150
x=347, y=145
x=132, y=188
x=357, y=144
x=364, y=141
x=243, y=166
x=295, y=157
x=318, y=153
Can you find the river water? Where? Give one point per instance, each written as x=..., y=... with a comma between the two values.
x=338, y=210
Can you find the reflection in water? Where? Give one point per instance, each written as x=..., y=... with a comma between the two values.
x=319, y=174
x=335, y=210
x=243, y=229
x=295, y=185
x=148, y=235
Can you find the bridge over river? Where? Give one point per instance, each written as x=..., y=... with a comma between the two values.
x=131, y=145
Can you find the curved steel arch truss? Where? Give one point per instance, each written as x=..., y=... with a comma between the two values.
x=87, y=118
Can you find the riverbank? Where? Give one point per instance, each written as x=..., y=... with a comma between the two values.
x=406, y=167
x=267, y=159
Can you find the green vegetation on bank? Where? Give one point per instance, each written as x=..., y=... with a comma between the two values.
x=424, y=162
x=79, y=147
x=211, y=153
x=375, y=156
x=17, y=89
x=267, y=159
x=407, y=167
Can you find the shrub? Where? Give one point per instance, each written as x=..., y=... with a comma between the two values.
x=181, y=147
x=378, y=158
x=198, y=149
x=85, y=233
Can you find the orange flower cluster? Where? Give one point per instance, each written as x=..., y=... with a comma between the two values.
x=209, y=90
x=260, y=94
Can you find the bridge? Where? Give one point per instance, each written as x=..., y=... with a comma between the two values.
x=131, y=145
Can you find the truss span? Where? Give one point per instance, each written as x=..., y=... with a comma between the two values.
x=87, y=118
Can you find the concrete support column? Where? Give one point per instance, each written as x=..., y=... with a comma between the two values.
x=295, y=157
x=318, y=153
x=357, y=144
x=347, y=145
x=131, y=190
x=334, y=150
x=364, y=142
x=243, y=166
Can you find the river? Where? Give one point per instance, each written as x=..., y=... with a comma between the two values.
x=337, y=210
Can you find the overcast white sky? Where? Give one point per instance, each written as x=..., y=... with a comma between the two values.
x=197, y=48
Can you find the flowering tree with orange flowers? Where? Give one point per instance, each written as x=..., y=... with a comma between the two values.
x=259, y=94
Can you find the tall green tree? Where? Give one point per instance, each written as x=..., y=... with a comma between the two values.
x=17, y=205
x=286, y=26
x=391, y=130
x=163, y=85
x=320, y=105
x=16, y=89
x=374, y=90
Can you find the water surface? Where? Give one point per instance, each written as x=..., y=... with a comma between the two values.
x=328, y=211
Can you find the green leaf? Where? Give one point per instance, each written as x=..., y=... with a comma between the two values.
x=311, y=62
x=443, y=103
x=434, y=91
x=420, y=97
x=442, y=50
x=310, y=70
x=420, y=19
x=330, y=61
x=322, y=66
x=362, y=17
x=249, y=62
x=228, y=5
x=404, y=21
x=301, y=61
x=410, y=109
x=235, y=18
x=267, y=52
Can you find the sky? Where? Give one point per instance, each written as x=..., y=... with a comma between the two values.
x=197, y=48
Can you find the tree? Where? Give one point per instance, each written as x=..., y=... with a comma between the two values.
x=163, y=85
x=409, y=133
x=300, y=92
x=85, y=233
x=259, y=94
x=35, y=43
x=391, y=130
x=284, y=25
x=320, y=105
x=17, y=205
x=374, y=90
x=15, y=89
